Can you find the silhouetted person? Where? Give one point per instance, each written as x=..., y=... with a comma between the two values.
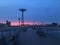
x=13, y=38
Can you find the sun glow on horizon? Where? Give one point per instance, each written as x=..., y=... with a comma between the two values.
x=26, y=23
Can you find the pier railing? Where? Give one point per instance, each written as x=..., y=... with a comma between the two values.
x=9, y=34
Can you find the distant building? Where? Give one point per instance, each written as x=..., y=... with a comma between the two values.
x=8, y=23
x=5, y=24
x=52, y=25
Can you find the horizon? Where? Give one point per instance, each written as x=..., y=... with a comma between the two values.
x=27, y=23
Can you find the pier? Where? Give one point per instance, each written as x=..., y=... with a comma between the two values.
x=15, y=36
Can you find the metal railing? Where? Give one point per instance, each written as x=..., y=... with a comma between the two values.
x=9, y=36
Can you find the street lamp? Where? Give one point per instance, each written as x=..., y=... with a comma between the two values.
x=19, y=22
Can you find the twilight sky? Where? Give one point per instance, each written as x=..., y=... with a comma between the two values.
x=37, y=10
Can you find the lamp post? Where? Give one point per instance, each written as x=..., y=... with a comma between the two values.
x=19, y=22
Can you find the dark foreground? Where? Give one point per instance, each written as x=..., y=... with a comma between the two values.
x=30, y=37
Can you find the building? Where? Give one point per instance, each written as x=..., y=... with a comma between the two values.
x=8, y=23
x=5, y=24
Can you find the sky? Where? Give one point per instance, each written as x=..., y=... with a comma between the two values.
x=44, y=11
